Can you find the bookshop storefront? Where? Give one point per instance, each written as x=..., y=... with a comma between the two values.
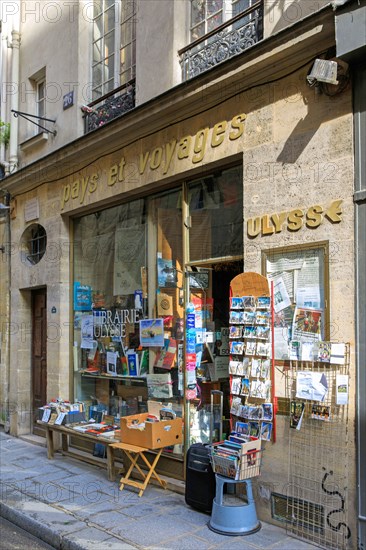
x=158, y=228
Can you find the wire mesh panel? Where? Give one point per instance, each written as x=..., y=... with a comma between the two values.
x=317, y=493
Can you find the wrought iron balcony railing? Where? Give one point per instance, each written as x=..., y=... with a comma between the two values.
x=229, y=39
x=110, y=106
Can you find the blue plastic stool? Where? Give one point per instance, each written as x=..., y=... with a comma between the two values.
x=239, y=518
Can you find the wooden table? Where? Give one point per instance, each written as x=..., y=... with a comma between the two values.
x=66, y=433
x=133, y=453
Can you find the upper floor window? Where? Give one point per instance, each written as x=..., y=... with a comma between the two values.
x=207, y=15
x=41, y=98
x=113, y=45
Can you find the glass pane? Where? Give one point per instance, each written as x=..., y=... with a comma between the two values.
x=197, y=11
x=109, y=44
x=214, y=21
x=213, y=6
x=108, y=66
x=109, y=20
x=98, y=28
x=198, y=31
x=97, y=93
x=126, y=58
x=126, y=33
x=128, y=9
x=240, y=5
x=97, y=75
x=41, y=88
x=216, y=209
x=97, y=7
x=97, y=51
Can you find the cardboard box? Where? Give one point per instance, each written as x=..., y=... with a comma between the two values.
x=154, y=435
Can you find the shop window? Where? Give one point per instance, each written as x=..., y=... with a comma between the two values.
x=33, y=244
x=216, y=209
x=131, y=273
x=301, y=287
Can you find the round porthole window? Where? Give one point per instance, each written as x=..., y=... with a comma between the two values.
x=33, y=244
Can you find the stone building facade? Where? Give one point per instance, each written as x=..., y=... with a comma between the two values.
x=247, y=139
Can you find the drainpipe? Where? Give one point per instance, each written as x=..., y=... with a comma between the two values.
x=14, y=101
x=7, y=252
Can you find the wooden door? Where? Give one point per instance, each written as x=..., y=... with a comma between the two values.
x=39, y=352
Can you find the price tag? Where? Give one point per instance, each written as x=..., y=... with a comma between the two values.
x=60, y=418
x=46, y=415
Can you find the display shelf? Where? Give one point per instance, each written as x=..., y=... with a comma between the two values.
x=251, y=360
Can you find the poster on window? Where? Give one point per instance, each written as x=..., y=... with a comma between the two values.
x=128, y=259
x=299, y=314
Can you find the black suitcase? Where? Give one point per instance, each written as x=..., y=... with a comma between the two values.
x=200, y=478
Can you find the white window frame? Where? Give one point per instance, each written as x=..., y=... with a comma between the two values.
x=122, y=14
x=228, y=12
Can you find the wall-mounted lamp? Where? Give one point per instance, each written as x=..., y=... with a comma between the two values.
x=323, y=70
x=330, y=76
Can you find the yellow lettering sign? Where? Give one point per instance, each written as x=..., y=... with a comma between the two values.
x=294, y=219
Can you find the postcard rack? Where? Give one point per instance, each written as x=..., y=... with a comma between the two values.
x=251, y=365
x=319, y=453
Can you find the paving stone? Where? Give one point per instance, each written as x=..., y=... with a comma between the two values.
x=290, y=543
x=141, y=510
x=91, y=538
x=187, y=543
x=148, y=531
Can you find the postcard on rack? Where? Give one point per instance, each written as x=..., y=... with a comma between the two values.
x=267, y=411
x=296, y=414
x=235, y=367
x=263, y=348
x=248, y=302
x=337, y=354
x=255, y=370
x=236, y=303
x=245, y=386
x=250, y=331
x=324, y=352
x=311, y=385
x=236, y=317
x=242, y=428
x=263, y=332
x=236, y=331
x=265, y=368
x=235, y=385
x=236, y=348
x=266, y=431
x=342, y=389
x=255, y=413
x=236, y=405
x=249, y=317
x=262, y=317
x=254, y=429
x=250, y=347
x=319, y=412
x=263, y=302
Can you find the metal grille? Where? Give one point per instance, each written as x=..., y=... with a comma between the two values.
x=293, y=510
x=318, y=465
